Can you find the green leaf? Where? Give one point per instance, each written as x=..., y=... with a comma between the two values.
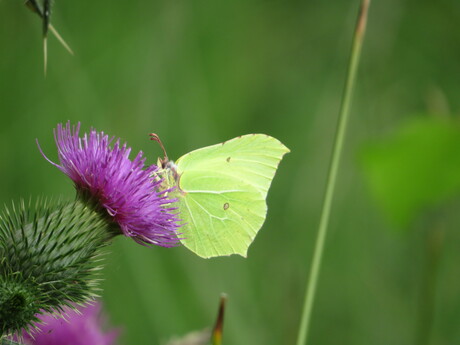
x=415, y=168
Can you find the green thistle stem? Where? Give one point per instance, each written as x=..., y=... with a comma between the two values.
x=332, y=174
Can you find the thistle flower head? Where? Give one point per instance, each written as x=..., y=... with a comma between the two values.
x=50, y=256
x=77, y=327
x=128, y=190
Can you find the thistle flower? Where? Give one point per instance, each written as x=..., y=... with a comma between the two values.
x=104, y=175
x=77, y=327
x=50, y=252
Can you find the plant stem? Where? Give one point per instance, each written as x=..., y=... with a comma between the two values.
x=332, y=173
x=433, y=247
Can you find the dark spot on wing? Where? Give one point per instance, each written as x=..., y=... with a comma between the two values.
x=228, y=159
x=226, y=206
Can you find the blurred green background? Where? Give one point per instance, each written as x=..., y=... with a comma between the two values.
x=200, y=72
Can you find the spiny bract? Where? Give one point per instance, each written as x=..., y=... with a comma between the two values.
x=49, y=255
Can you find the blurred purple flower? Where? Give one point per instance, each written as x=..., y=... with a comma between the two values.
x=128, y=191
x=73, y=328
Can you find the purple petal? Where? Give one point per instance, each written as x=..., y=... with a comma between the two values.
x=81, y=327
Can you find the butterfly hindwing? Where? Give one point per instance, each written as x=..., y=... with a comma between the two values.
x=222, y=215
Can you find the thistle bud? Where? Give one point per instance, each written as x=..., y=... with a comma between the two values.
x=50, y=254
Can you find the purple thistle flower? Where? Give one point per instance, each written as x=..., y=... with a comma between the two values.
x=82, y=327
x=129, y=192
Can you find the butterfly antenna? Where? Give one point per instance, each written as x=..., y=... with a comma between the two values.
x=218, y=328
x=156, y=138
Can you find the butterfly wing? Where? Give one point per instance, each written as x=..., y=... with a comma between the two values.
x=224, y=188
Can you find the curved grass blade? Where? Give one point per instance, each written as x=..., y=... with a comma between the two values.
x=332, y=173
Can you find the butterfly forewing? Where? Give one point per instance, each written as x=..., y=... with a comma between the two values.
x=251, y=158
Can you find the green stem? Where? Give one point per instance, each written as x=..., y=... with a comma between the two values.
x=332, y=173
x=433, y=247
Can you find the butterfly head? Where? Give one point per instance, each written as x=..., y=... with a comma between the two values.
x=167, y=170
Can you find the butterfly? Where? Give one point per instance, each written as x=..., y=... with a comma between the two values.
x=221, y=191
